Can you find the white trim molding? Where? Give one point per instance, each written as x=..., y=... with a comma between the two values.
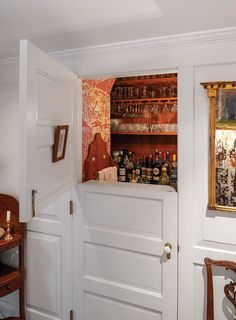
x=127, y=47
x=142, y=46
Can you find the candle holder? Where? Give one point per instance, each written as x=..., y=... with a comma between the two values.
x=8, y=236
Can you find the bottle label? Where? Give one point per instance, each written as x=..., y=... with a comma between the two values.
x=156, y=178
x=122, y=171
x=149, y=173
x=137, y=171
x=156, y=171
x=122, y=178
x=143, y=171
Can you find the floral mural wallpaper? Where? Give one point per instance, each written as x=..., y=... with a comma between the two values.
x=96, y=112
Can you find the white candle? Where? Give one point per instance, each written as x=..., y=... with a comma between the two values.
x=8, y=215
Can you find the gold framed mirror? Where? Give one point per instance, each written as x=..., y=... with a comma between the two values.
x=222, y=145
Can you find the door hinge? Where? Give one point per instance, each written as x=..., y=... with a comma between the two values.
x=71, y=315
x=178, y=248
x=33, y=192
x=71, y=206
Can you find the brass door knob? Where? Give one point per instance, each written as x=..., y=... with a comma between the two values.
x=167, y=250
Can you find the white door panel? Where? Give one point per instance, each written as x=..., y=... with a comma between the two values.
x=49, y=262
x=108, y=309
x=123, y=230
x=44, y=248
x=50, y=95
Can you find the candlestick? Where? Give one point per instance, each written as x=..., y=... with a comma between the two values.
x=8, y=236
x=8, y=215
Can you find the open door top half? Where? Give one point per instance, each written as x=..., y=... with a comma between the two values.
x=50, y=96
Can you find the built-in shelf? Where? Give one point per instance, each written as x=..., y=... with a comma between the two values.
x=144, y=114
x=145, y=81
x=147, y=100
x=147, y=120
x=146, y=133
x=8, y=274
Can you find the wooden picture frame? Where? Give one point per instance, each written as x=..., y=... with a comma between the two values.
x=222, y=148
x=60, y=141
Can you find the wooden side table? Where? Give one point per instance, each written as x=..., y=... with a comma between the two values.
x=12, y=279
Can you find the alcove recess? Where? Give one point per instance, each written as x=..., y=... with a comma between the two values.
x=144, y=114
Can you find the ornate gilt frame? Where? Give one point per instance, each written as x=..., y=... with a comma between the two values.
x=212, y=90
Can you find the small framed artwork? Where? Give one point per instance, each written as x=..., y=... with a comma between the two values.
x=222, y=149
x=60, y=141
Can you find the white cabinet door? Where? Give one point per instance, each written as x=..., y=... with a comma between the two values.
x=49, y=262
x=49, y=96
x=124, y=272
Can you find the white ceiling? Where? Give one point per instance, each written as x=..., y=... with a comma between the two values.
x=66, y=24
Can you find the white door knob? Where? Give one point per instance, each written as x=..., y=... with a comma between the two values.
x=167, y=250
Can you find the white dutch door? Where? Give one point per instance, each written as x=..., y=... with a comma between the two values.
x=121, y=231
x=49, y=97
x=127, y=269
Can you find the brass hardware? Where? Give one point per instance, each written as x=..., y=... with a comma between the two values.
x=8, y=236
x=33, y=202
x=71, y=207
x=167, y=250
x=71, y=315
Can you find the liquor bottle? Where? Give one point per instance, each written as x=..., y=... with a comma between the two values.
x=125, y=152
x=137, y=169
x=163, y=162
x=122, y=172
x=121, y=157
x=126, y=159
x=133, y=178
x=164, y=178
x=168, y=163
x=149, y=169
x=143, y=171
x=156, y=169
x=173, y=176
x=129, y=167
x=160, y=156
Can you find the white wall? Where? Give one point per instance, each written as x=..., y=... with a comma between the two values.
x=215, y=236
x=199, y=57
x=9, y=152
x=9, y=157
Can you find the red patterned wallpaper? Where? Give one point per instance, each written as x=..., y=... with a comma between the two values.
x=96, y=112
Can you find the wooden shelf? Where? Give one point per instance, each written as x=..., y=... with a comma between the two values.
x=6, y=245
x=146, y=133
x=169, y=119
x=8, y=274
x=144, y=100
x=12, y=279
x=150, y=81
